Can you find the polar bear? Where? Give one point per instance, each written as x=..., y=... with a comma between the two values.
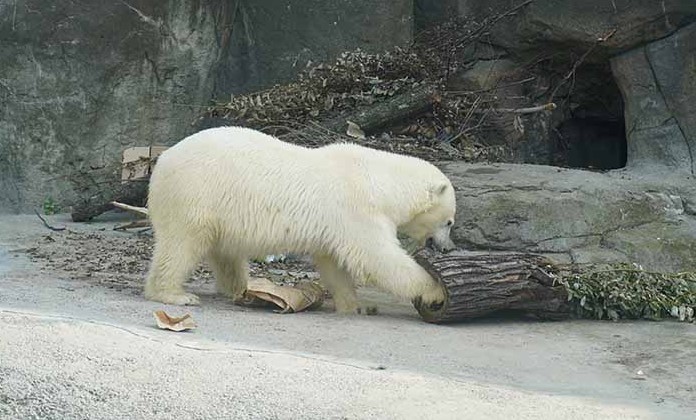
x=229, y=194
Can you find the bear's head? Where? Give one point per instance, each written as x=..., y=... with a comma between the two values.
x=433, y=221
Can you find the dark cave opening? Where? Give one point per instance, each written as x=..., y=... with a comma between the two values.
x=593, y=134
x=592, y=143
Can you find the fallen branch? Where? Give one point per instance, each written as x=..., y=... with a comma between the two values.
x=55, y=229
x=388, y=113
x=529, y=110
x=142, y=211
x=134, y=225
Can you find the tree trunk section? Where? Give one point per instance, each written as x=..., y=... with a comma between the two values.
x=388, y=113
x=133, y=192
x=479, y=284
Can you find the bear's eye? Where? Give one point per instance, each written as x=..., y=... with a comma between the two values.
x=450, y=222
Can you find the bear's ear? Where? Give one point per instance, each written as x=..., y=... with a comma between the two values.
x=439, y=189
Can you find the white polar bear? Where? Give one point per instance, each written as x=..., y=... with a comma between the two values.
x=230, y=194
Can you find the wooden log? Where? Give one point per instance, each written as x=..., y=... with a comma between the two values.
x=479, y=284
x=387, y=113
x=125, y=181
x=134, y=192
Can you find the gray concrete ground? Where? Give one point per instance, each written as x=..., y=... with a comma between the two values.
x=74, y=349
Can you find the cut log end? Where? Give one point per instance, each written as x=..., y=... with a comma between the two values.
x=134, y=193
x=479, y=284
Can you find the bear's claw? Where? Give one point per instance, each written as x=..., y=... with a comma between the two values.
x=435, y=294
x=432, y=306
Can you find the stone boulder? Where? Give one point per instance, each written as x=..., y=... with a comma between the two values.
x=577, y=216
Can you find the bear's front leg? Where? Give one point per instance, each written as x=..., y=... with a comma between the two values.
x=172, y=264
x=231, y=274
x=339, y=283
x=386, y=265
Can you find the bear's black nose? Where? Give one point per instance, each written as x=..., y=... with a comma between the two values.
x=430, y=243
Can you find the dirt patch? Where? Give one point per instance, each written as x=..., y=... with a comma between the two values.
x=121, y=261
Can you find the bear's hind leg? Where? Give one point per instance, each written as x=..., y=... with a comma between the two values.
x=339, y=282
x=231, y=274
x=173, y=261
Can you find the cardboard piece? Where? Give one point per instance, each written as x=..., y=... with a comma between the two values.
x=137, y=162
x=178, y=324
x=303, y=296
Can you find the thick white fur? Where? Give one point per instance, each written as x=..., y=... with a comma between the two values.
x=229, y=194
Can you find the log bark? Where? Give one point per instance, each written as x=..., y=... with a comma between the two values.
x=479, y=284
x=388, y=113
x=134, y=192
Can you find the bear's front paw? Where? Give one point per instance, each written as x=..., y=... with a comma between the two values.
x=433, y=298
x=235, y=295
x=181, y=298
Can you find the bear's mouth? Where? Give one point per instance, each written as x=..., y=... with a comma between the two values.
x=431, y=243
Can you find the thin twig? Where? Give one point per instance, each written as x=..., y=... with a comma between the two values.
x=55, y=229
x=579, y=62
x=472, y=109
x=135, y=224
x=530, y=110
x=488, y=23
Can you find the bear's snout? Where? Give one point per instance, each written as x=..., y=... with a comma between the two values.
x=440, y=246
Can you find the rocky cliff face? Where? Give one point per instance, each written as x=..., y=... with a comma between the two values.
x=658, y=83
x=81, y=80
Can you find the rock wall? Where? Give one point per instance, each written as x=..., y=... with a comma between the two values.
x=658, y=83
x=81, y=80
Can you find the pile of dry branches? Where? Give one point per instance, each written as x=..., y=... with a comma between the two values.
x=314, y=108
x=323, y=91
